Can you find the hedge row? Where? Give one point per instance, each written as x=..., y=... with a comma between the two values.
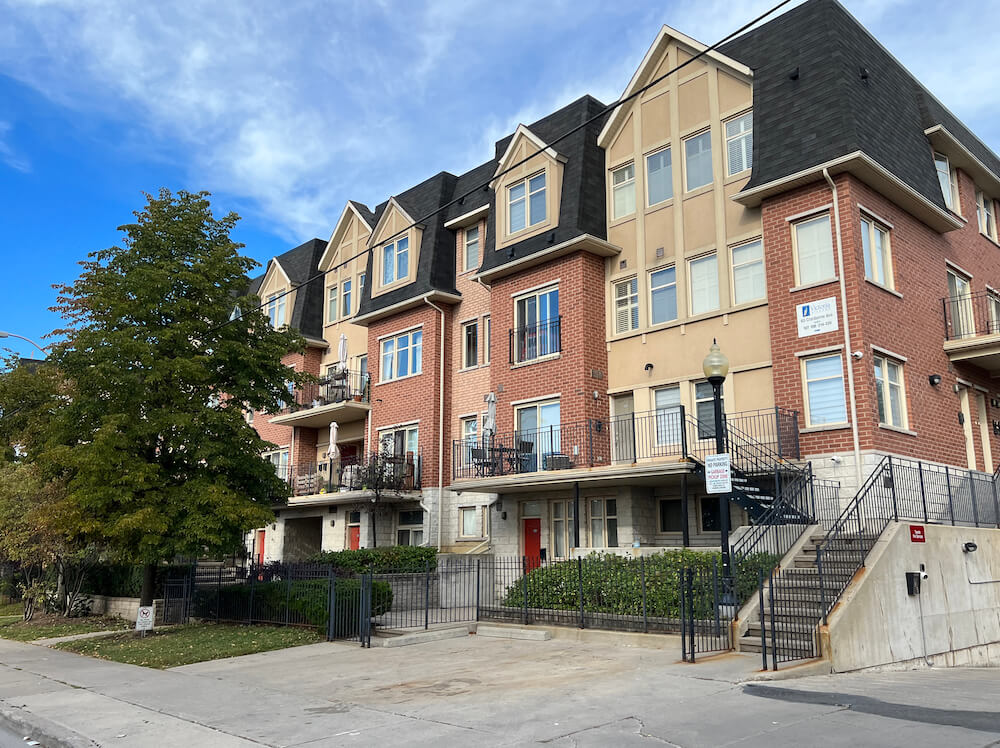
x=391, y=559
x=614, y=584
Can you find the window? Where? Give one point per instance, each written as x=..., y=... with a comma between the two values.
x=739, y=143
x=875, y=247
x=623, y=191
x=526, y=203
x=703, y=275
x=709, y=514
x=563, y=525
x=401, y=355
x=663, y=295
x=993, y=302
x=671, y=516
x=667, y=401
x=487, y=338
x=331, y=304
x=960, y=305
x=748, y=272
x=471, y=248
x=279, y=459
x=395, y=261
x=470, y=437
x=410, y=527
x=889, y=389
x=276, y=309
x=824, y=380
x=538, y=434
x=470, y=344
x=984, y=211
x=704, y=408
x=361, y=285
x=659, y=177
x=399, y=441
x=698, y=161
x=813, y=250
x=537, y=333
x=603, y=523
x=346, y=310
x=467, y=521
x=946, y=178
x=627, y=305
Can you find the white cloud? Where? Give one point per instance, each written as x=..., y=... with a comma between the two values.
x=8, y=155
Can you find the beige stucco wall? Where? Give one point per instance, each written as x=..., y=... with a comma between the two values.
x=690, y=224
x=276, y=282
x=877, y=623
x=520, y=147
x=394, y=221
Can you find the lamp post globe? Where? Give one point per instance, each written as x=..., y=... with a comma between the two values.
x=716, y=367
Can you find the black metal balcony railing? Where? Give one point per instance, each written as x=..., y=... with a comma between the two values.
x=971, y=315
x=535, y=341
x=622, y=440
x=337, y=388
x=377, y=473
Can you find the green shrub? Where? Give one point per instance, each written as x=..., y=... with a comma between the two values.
x=613, y=584
x=407, y=559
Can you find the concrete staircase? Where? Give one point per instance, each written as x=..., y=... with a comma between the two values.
x=798, y=597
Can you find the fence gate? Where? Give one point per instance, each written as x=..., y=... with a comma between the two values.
x=177, y=598
x=706, y=615
x=350, y=607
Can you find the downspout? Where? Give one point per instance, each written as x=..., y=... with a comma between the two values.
x=440, y=423
x=847, y=328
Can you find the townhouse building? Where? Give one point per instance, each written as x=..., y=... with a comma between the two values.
x=524, y=342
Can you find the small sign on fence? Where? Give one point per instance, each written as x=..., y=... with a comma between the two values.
x=917, y=534
x=718, y=474
x=144, y=619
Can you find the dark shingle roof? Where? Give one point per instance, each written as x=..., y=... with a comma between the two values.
x=849, y=95
x=364, y=211
x=300, y=264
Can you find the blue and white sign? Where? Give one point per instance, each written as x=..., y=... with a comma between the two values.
x=817, y=317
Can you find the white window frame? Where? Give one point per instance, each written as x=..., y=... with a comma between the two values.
x=654, y=288
x=710, y=257
x=332, y=303
x=465, y=327
x=409, y=528
x=688, y=187
x=391, y=260
x=602, y=518
x=411, y=438
x=626, y=172
x=562, y=525
x=799, y=280
x=947, y=176
x=963, y=320
x=279, y=458
x=668, y=426
x=276, y=309
x=530, y=219
x=746, y=146
x=414, y=348
x=470, y=437
x=669, y=168
x=706, y=427
x=884, y=387
x=362, y=280
x=627, y=302
x=804, y=361
x=552, y=334
x=986, y=215
x=463, y=513
x=346, y=302
x=877, y=273
x=487, y=337
x=735, y=267
x=993, y=305
x=471, y=241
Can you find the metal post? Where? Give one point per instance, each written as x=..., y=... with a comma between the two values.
x=760, y=603
x=427, y=593
x=777, y=427
x=685, y=530
x=576, y=515
x=288, y=593
x=774, y=636
x=331, y=602
x=552, y=444
x=635, y=453
x=690, y=599
x=579, y=588
x=683, y=601
x=218, y=596
x=642, y=572
x=923, y=491
x=996, y=504
x=253, y=577
x=822, y=586
x=951, y=505
x=590, y=443
x=892, y=485
x=683, y=419
x=524, y=589
x=715, y=597
x=724, y=498
x=478, y=586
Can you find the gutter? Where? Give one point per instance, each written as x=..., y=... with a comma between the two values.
x=440, y=423
x=847, y=329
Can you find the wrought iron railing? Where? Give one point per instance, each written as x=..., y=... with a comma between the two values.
x=535, y=341
x=337, y=388
x=971, y=315
x=376, y=472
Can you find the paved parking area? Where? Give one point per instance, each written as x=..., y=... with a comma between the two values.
x=485, y=691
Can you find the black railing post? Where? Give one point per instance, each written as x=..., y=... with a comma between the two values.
x=218, y=595
x=579, y=587
x=951, y=505
x=524, y=589
x=288, y=593
x=996, y=503
x=944, y=314
x=760, y=603
x=774, y=635
x=590, y=444
x=923, y=491
x=478, y=586
x=777, y=427
x=822, y=585
x=331, y=602
x=427, y=593
x=690, y=600
x=684, y=444
x=892, y=485
x=681, y=573
x=253, y=576
x=972, y=494
x=642, y=572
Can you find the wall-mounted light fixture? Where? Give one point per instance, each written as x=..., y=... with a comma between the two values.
x=970, y=547
x=649, y=367
x=934, y=380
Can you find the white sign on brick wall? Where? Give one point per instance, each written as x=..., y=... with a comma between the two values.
x=817, y=317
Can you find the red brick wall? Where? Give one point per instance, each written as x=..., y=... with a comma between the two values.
x=911, y=326
x=303, y=445
x=581, y=305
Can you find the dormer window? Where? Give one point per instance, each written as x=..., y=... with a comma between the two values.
x=526, y=203
x=395, y=261
x=276, y=310
x=946, y=178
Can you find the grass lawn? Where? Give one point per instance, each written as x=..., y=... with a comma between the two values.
x=11, y=609
x=45, y=626
x=197, y=642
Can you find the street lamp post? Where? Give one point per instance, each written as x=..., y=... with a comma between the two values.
x=21, y=337
x=716, y=367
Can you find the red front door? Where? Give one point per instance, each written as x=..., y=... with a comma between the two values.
x=259, y=549
x=532, y=541
x=354, y=537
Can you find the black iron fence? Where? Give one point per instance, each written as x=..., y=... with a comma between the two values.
x=535, y=341
x=969, y=315
x=377, y=472
x=789, y=607
x=339, y=387
x=707, y=612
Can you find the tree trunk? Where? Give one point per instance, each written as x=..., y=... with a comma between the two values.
x=148, y=582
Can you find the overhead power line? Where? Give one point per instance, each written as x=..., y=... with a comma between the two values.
x=541, y=149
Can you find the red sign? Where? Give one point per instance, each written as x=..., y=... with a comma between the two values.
x=917, y=534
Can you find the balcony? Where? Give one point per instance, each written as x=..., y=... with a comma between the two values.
x=647, y=444
x=379, y=475
x=342, y=397
x=535, y=342
x=972, y=330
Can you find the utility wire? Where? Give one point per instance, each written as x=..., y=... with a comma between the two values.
x=606, y=110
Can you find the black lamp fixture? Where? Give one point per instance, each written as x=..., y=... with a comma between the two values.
x=716, y=367
x=934, y=380
x=649, y=367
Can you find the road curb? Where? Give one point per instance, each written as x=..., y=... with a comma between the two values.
x=46, y=732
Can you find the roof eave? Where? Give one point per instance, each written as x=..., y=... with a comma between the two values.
x=363, y=320
x=943, y=140
x=583, y=242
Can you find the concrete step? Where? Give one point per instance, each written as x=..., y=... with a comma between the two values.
x=747, y=644
x=796, y=626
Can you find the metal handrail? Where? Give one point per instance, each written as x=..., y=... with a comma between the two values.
x=535, y=341
x=970, y=315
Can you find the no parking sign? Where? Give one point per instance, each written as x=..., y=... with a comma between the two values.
x=144, y=619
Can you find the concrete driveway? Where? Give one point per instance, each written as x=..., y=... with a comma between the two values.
x=487, y=691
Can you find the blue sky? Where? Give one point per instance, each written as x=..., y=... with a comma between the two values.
x=286, y=110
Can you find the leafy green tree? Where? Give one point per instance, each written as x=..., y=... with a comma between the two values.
x=151, y=440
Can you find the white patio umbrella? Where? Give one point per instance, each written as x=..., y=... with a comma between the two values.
x=490, y=419
x=342, y=352
x=333, y=452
